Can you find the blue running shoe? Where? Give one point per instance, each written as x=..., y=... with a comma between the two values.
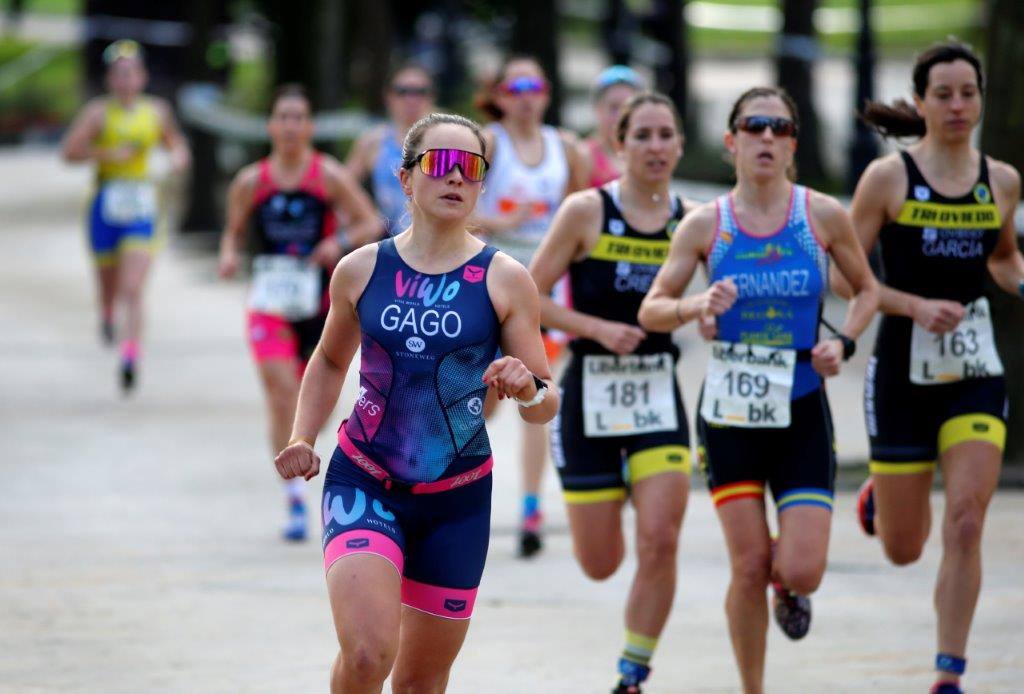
x=295, y=530
x=632, y=675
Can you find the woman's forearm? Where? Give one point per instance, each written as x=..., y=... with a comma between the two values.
x=321, y=387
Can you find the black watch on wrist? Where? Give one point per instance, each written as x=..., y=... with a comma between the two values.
x=849, y=346
x=539, y=382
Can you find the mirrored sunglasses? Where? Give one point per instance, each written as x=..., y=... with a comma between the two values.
x=781, y=127
x=525, y=85
x=437, y=163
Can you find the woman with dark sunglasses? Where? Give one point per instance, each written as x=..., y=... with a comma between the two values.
x=943, y=214
x=763, y=416
x=376, y=155
x=407, y=495
x=117, y=132
x=622, y=431
x=533, y=167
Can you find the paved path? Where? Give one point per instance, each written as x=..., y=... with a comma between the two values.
x=138, y=548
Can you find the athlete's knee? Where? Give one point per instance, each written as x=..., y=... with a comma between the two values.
x=368, y=661
x=963, y=526
x=419, y=683
x=903, y=550
x=802, y=577
x=657, y=546
x=600, y=564
x=751, y=570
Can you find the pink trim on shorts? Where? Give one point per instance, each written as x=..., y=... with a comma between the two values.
x=450, y=603
x=363, y=542
x=270, y=337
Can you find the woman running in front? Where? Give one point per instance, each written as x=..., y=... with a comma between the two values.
x=612, y=89
x=942, y=213
x=377, y=154
x=621, y=432
x=534, y=166
x=117, y=131
x=406, y=505
x=763, y=418
x=289, y=199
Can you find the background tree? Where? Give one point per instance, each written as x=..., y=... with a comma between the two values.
x=535, y=32
x=796, y=52
x=1003, y=137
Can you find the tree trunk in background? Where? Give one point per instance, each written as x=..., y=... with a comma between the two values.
x=617, y=32
x=1003, y=137
x=373, y=37
x=864, y=145
x=331, y=68
x=796, y=52
x=535, y=33
x=204, y=211
x=671, y=75
x=296, y=43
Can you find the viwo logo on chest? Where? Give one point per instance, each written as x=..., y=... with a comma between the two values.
x=743, y=355
x=426, y=289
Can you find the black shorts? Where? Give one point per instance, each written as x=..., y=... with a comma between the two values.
x=798, y=462
x=594, y=469
x=911, y=425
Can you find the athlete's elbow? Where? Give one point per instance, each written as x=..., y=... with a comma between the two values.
x=645, y=317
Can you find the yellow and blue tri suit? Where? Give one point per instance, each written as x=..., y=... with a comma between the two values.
x=123, y=212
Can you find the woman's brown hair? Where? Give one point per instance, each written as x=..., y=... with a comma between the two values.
x=638, y=100
x=900, y=118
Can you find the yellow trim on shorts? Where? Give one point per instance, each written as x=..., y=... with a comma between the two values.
x=105, y=259
x=976, y=426
x=878, y=467
x=654, y=461
x=135, y=243
x=594, y=496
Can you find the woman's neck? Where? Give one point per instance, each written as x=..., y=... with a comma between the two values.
x=432, y=244
x=289, y=158
x=939, y=157
x=643, y=195
x=127, y=101
x=522, y=130
x=762, y=196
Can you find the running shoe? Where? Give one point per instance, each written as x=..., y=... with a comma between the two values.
x=792, y=612
x=866, y=507
x=633, y=674
x=946, y=688
x=530, y=541
x=127, y=376
x=295, y=530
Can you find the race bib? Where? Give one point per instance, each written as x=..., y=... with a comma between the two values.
x=968, y=351
x=748, y=385
x=628, y=395
x=128, y=202
x=286, y=286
